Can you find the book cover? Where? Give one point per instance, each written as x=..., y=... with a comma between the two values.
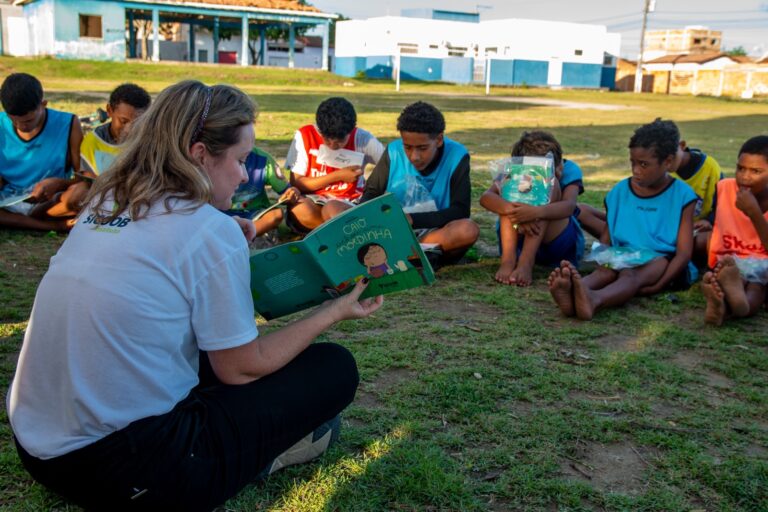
x=527, y=180
x=372, y=240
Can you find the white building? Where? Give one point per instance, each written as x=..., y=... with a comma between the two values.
x=532, y=52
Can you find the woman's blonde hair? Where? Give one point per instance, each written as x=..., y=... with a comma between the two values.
x=156, y=163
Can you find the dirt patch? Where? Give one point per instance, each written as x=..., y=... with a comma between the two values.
x=666, y=410
x=695, y=362
x=367, y=400
x=617, y=468
x=621, y=343
x=390, y=378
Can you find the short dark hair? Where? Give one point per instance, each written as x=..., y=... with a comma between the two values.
x=538, y=143
x=662, y=137
x=421, y=117
x=130, y=94
x=363, y=251
x=335, y=118
x=20, y=94
x=756, y=146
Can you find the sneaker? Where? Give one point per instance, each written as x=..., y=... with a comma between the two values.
x=310, y=447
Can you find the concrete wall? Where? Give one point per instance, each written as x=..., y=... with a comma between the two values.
x=458, y=70
x=69, y=45
x=420, y=68
x=40, y=27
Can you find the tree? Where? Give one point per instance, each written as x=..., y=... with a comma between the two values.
x=739, y=51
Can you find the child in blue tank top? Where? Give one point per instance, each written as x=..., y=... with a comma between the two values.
x=650, y=211
x=545, y=234
x=39, y=149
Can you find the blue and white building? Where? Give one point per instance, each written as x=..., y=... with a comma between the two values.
x=434, y=45
x=106, y=29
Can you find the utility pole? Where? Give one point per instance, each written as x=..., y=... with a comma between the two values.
x=639, y=72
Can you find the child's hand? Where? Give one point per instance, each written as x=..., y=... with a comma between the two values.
x=349, y=174
x=521, y=213
x=747, y=202
x=47, y=188
x=350, y=306
x=701, y=226
x=529, y=228
x=249, y=229
x=291, y=195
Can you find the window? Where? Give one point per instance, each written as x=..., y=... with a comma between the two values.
x=202, y=55
x=433, y=47
x=697, y=41
x=714, y=41
x=90, y=26
x=578, y=52
x=408, y=47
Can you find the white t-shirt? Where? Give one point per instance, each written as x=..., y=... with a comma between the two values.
x=118, y=320
x=365, y=143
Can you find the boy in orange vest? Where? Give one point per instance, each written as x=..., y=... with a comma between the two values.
x=738, y=248
x=332, y=190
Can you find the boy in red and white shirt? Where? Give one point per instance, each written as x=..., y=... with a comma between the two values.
x=331, y=189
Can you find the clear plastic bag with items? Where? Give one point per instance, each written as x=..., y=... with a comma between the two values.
x=619, y=258
x=754, y=270
x=525, y=179
x=414, y=197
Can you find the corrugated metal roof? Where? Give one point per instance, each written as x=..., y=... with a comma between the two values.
x=692, y=58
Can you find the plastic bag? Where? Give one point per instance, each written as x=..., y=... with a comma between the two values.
x=619, y=258
x=413, y=196
x=525, y=179
x=754, y=270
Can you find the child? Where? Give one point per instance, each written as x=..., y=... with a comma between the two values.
x=424, y=162
x=331, y=190
x=698, y=170
x=250, y=198
x=650, y=210
x=544, y=234
x=100, y=147
x=740, y=231
x=40, y=148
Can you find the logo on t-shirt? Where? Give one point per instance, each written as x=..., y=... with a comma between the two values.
x=112, y=226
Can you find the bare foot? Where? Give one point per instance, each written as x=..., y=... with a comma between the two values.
x=522, y=276
x=582, y=295
x=560, y=287
x=504, y=274
x=729, y=278
x=714, y=314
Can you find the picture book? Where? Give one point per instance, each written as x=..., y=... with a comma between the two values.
x=339, y=158
x=11, y=197
x=373, y=240
x=527, y=179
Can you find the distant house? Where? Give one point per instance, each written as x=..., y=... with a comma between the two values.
x=108, y=29
x=458, y=47
x=681, y=74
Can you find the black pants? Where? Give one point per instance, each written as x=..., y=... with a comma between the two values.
x=210, y=445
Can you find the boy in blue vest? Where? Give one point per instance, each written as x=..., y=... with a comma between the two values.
x=429, y=174
x=39, y=149
x=651, y=211
x=546, y=234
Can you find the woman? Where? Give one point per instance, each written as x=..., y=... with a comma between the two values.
x=108, y=405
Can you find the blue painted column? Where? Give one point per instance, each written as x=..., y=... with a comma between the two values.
x=326, y=37
x=155, y=35
x=291, y=45
x=192, y=48
x=216, y=39
x=244, y=42
x=263, y=45
x=131, y=36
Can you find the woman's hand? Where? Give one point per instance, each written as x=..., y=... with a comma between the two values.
x=249, y=230
x=350, y=306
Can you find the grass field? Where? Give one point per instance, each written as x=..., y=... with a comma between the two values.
x=476, y=396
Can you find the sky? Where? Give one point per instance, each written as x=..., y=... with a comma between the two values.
x=743, y=22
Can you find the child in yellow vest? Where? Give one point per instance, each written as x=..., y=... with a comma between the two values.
x=100, y=147
x=738, y=247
